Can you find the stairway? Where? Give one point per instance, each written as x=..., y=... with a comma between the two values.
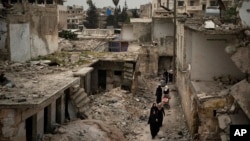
x=81, y=101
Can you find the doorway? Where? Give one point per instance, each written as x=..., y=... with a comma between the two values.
x=30, y=130
x=102, y=75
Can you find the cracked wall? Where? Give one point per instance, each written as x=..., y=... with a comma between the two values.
x=31, y=31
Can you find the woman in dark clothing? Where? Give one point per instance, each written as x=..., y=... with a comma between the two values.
x=153, y=121
x=161, y=114
x=158, y=94
x=154, y=107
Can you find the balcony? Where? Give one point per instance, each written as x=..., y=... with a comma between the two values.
x=194, y=8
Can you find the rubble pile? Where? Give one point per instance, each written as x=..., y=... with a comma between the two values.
x=226, y=80
x=87, y=44
x=122, y=110
x=86, y=130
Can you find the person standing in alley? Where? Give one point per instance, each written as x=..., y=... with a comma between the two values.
x=153, y=122
x=161, y=114
x=158, y=94
x=165, y=75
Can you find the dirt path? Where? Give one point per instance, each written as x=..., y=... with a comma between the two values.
x=174, y=127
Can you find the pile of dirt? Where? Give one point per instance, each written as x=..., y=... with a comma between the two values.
x=86, y=130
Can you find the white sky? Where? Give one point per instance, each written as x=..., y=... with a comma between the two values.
x=102, y=3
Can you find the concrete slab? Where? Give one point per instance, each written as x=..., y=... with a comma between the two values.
x=83, y=71
x=240, y=92
x=207, y=87
x=35, y=91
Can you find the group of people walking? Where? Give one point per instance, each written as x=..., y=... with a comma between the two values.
x=157, y=112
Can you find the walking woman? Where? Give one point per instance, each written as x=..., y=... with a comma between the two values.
x=158, y=94
x=161, y=114
x=153, y=121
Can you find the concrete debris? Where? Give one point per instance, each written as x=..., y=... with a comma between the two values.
x=119, y=113
x=247, y=32
x=224, y=121
x=240, y=58
x=226, y=79
x=209, y=24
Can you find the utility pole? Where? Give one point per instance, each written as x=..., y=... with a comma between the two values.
x=174, y=45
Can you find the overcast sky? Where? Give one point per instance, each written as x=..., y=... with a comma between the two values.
x=102, y=3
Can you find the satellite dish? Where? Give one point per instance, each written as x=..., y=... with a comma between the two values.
x=244, y=13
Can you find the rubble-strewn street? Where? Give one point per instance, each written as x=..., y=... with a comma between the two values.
x=119, y=110
x=68, y=73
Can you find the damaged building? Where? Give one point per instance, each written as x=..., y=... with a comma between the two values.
x=48, y=81
x=46, y=92
x=30, y=29
x=53, y=95
x=210, y=77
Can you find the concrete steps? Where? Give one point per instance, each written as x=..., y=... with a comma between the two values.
x=80, y=101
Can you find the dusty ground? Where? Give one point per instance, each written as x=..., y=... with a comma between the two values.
x=119, y=115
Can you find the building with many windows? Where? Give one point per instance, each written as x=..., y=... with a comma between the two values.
x=76, y=17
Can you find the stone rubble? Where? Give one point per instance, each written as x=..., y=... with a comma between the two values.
x=122, y=111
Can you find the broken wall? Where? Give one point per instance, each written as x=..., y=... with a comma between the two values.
x=127, y=32
x=62, y=17
x=20, y=49
x=209, y=58
x=142, y=32
x=148, y=57
x=33, y=33
x=188, y=102
x=207, y=111
x=163, y=30
x=162, y=34
x=44, y=30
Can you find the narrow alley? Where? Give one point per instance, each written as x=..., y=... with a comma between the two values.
x=129, y=114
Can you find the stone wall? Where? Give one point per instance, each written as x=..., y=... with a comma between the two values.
x=189, y=104
x=32, y=30
x=142, y=32
x=148, y=58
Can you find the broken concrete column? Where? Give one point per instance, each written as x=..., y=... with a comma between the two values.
x=224, y=121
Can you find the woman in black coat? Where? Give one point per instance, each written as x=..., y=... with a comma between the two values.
x=153, y=121
x=161, y=114
x=158, y=94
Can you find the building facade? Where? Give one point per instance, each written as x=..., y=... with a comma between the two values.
x=76, y=16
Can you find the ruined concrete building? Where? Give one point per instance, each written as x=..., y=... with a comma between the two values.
x=30, y=29
x=211, y=76
x=36, y=96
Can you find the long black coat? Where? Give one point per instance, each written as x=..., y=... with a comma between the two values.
x=161, y=114
x=153, y=121
x=158, y=94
